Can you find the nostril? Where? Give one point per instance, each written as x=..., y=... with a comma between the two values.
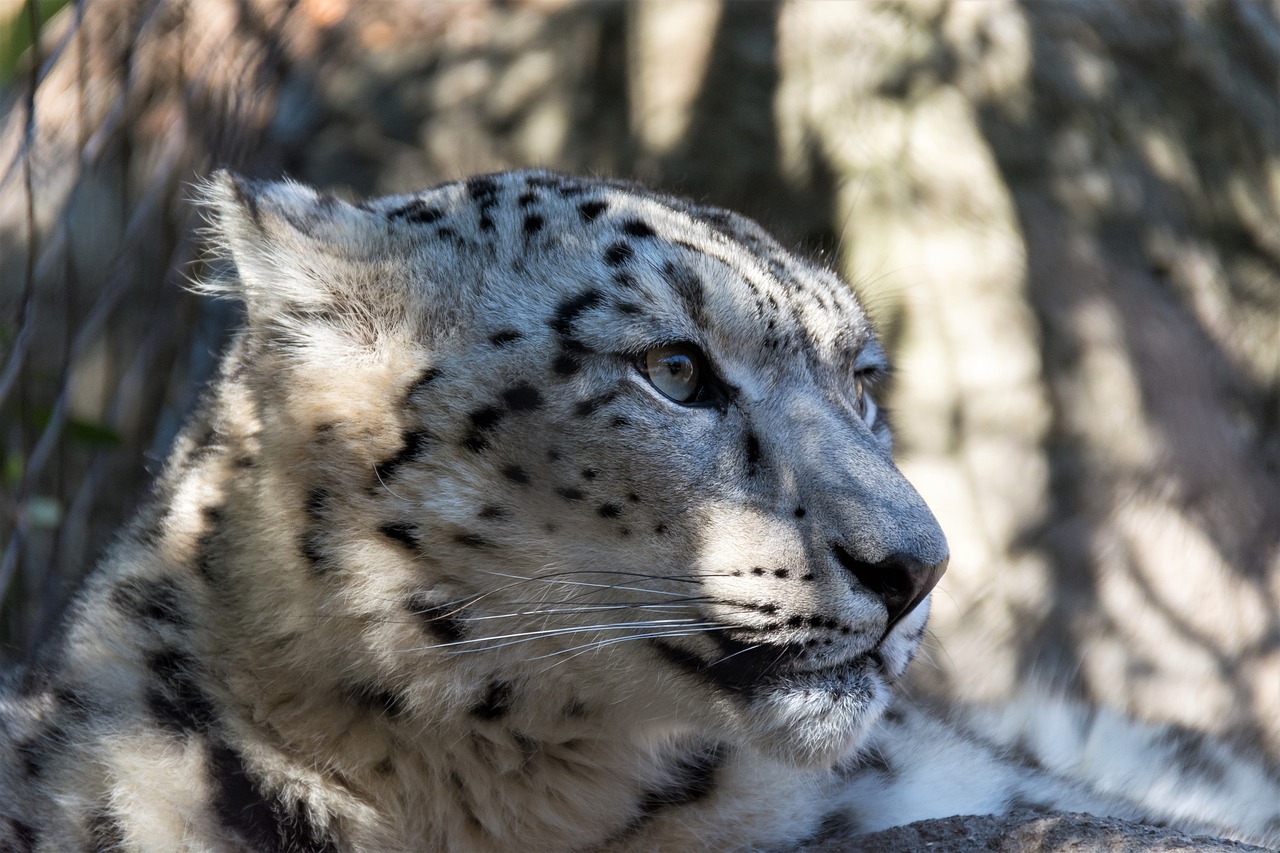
x=901, y=581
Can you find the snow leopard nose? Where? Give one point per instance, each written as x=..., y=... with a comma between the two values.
x=901, y=580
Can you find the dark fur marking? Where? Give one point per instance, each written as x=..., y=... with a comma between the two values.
x=570, y=494
x=619, y=422
x=481, y=187
x=590, y=473
x=693, y=779
x=317, y=501
x=637, y=228
x=402, y=532
x=493, y=513
x=609, y=510
x=267, y=824
x=584, y=408
x=532, y=224
x=463, y=801
x=414, y=442
x=568, y=310
x=629, y=308
x=483, y=421
x=576, y=710
x=522, y=398
x=618, y=254
x=622, y=278
x=590, y=210
x=496, y=701
x=527, y=198
x=438, y=619
x=25, y=836
x=155, y=601
x=105, y=830
x=418, y=212
x=504, y=337
x=516, y=474
x=472, y=540
x=175, y=700
x=566, y=364
x=752, y=442
x=309, y=546
x=379, y=700
x=447, y=234
x=420, y=384
x=689, y=289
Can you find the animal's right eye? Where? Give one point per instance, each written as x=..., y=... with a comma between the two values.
x=680, y=372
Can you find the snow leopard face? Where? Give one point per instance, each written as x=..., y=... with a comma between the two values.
x=586, y=442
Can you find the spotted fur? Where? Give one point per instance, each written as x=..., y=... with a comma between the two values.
x=440, y=565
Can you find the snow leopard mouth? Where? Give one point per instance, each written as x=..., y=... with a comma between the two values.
x=746, y=669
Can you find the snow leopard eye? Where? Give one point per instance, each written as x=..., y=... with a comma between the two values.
x=679, y=371
x=867, y=408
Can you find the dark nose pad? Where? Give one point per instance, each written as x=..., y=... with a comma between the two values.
x=901, y=581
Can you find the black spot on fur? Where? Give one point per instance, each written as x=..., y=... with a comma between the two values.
x=609, y=510
x=266, y=823
x=420, y=384
x=316, y=502
x=622, y=278
x=516, y=474
x=584, y=408
x=175, y=699
x=693, y=778
x=418, y=212
x=619, y=422
x=438, y=619
x=403, y=532
x=629, y=308
x=800, y=512
x=590, y=473
x=483, y=421
x=310, y=546
x=522, y=398
x=618, y=254
x=566, y=364
x=752, y=448
x=25, y=836
x=376, y=699
x=570, y=494
x=637, y=228
x=527, y=198
x=532, y=224
x=576, y=710
x=493, y=513
x=413, y=444
x=481, y=187
x=568, y=310
x=590, y=210
x=156, y=601
x=105, y=831
x=448, y=234
x=496, y=701
x=464, y=802
x=689, y=290
x=504, y=337
x=472, y=540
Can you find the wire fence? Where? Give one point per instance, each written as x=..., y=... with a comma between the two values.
x=115, y=109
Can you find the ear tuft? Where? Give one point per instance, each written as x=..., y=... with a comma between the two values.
x=296, y=251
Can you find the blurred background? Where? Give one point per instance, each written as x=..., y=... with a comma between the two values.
x=1065, y=217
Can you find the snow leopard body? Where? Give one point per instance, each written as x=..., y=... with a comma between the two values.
x=540, y=513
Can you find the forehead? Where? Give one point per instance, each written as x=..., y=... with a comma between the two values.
x=656, y=267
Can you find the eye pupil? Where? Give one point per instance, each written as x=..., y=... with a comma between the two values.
x=675, y=371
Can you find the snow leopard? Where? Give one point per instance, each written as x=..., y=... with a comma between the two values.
x=543, y=513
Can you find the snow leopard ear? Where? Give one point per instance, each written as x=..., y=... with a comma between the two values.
x=303, y=260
